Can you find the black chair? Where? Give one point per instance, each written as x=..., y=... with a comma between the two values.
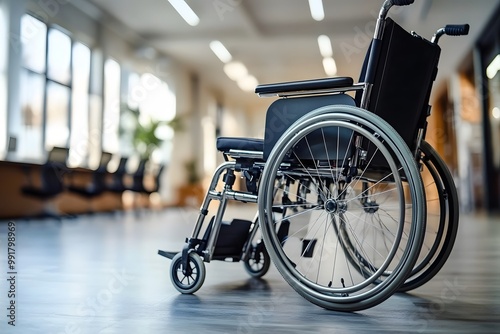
x=117, y=184
x=156, y=187
x=51, y=181
x=138, y=187
x=138, y=177
x=59, y=154
x=98, y=184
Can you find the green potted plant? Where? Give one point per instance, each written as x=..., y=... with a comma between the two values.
x=144, y=135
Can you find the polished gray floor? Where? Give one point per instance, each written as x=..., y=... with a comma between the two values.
x=101, y=274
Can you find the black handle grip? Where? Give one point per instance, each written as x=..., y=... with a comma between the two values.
x=402, y=2
x=456, y=29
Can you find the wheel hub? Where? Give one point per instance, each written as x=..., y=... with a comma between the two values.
x=335, y=206
x=371, y=207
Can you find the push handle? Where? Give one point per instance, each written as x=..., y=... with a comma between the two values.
x=451, y=30
x=456, y=29
x=383, y=14
x=402, y=2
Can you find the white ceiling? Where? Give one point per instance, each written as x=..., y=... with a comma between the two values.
x=277, y=40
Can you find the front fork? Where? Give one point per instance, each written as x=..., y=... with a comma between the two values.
x=205, y=248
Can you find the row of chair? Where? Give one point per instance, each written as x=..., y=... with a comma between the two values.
x=56, y=177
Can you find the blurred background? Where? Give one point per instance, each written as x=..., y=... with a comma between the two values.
x=116, y=104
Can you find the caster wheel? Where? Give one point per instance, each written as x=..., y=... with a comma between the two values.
x=258, y=262
x=190, y=280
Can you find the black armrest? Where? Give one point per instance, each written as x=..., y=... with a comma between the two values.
x=294, y=86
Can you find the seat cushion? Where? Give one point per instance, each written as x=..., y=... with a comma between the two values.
x=224, y=144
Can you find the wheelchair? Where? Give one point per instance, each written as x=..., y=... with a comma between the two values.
x=353, y=204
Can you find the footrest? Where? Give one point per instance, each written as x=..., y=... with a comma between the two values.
x=169, y=255
x=231, y=239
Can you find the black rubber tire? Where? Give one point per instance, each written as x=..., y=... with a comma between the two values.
x=258, y=263
x=187, y=284
x=445, y=236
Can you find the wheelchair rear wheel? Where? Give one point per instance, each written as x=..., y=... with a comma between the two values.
x=324, y=174
x=442, y=218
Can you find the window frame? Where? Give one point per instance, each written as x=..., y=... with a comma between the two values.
x=43, y=145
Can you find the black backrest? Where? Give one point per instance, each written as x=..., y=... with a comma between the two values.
x=52, y=172
x=99, y=175
x=52, y=177
x=119, y=173
x=138, y=176
x=282, y=113
x=122, y=167
x=105, y=159
x=141, y=168
x=404, y=75
x=59, y=155
x=158, y=177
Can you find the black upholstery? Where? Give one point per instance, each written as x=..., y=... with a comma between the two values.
x=304, y=85
x=59, y=154
x=98, y=184
x=280, y=116
x=117, y=184
x=282, y=113
x=51, y=176
x=157, y=185
x=51, y=180
x=225, y=144
x=403, y=79
x=138, y=186
x=138, y=177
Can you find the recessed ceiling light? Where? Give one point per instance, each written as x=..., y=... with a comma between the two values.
x=493, y=67
x=235, y=70
x=325, y=46
x=248, y=83
x=330, y=66
x=185, y=12
x=317, y=10
x=220, y=51
x=496, y=113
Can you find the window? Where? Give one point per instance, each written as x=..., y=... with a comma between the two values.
x=59, y=57
x=80, y=104
x=3, y=86
x=58, y=89
x=55, y=98
x=71, y=97
x=33, y=39
x=111, y=115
